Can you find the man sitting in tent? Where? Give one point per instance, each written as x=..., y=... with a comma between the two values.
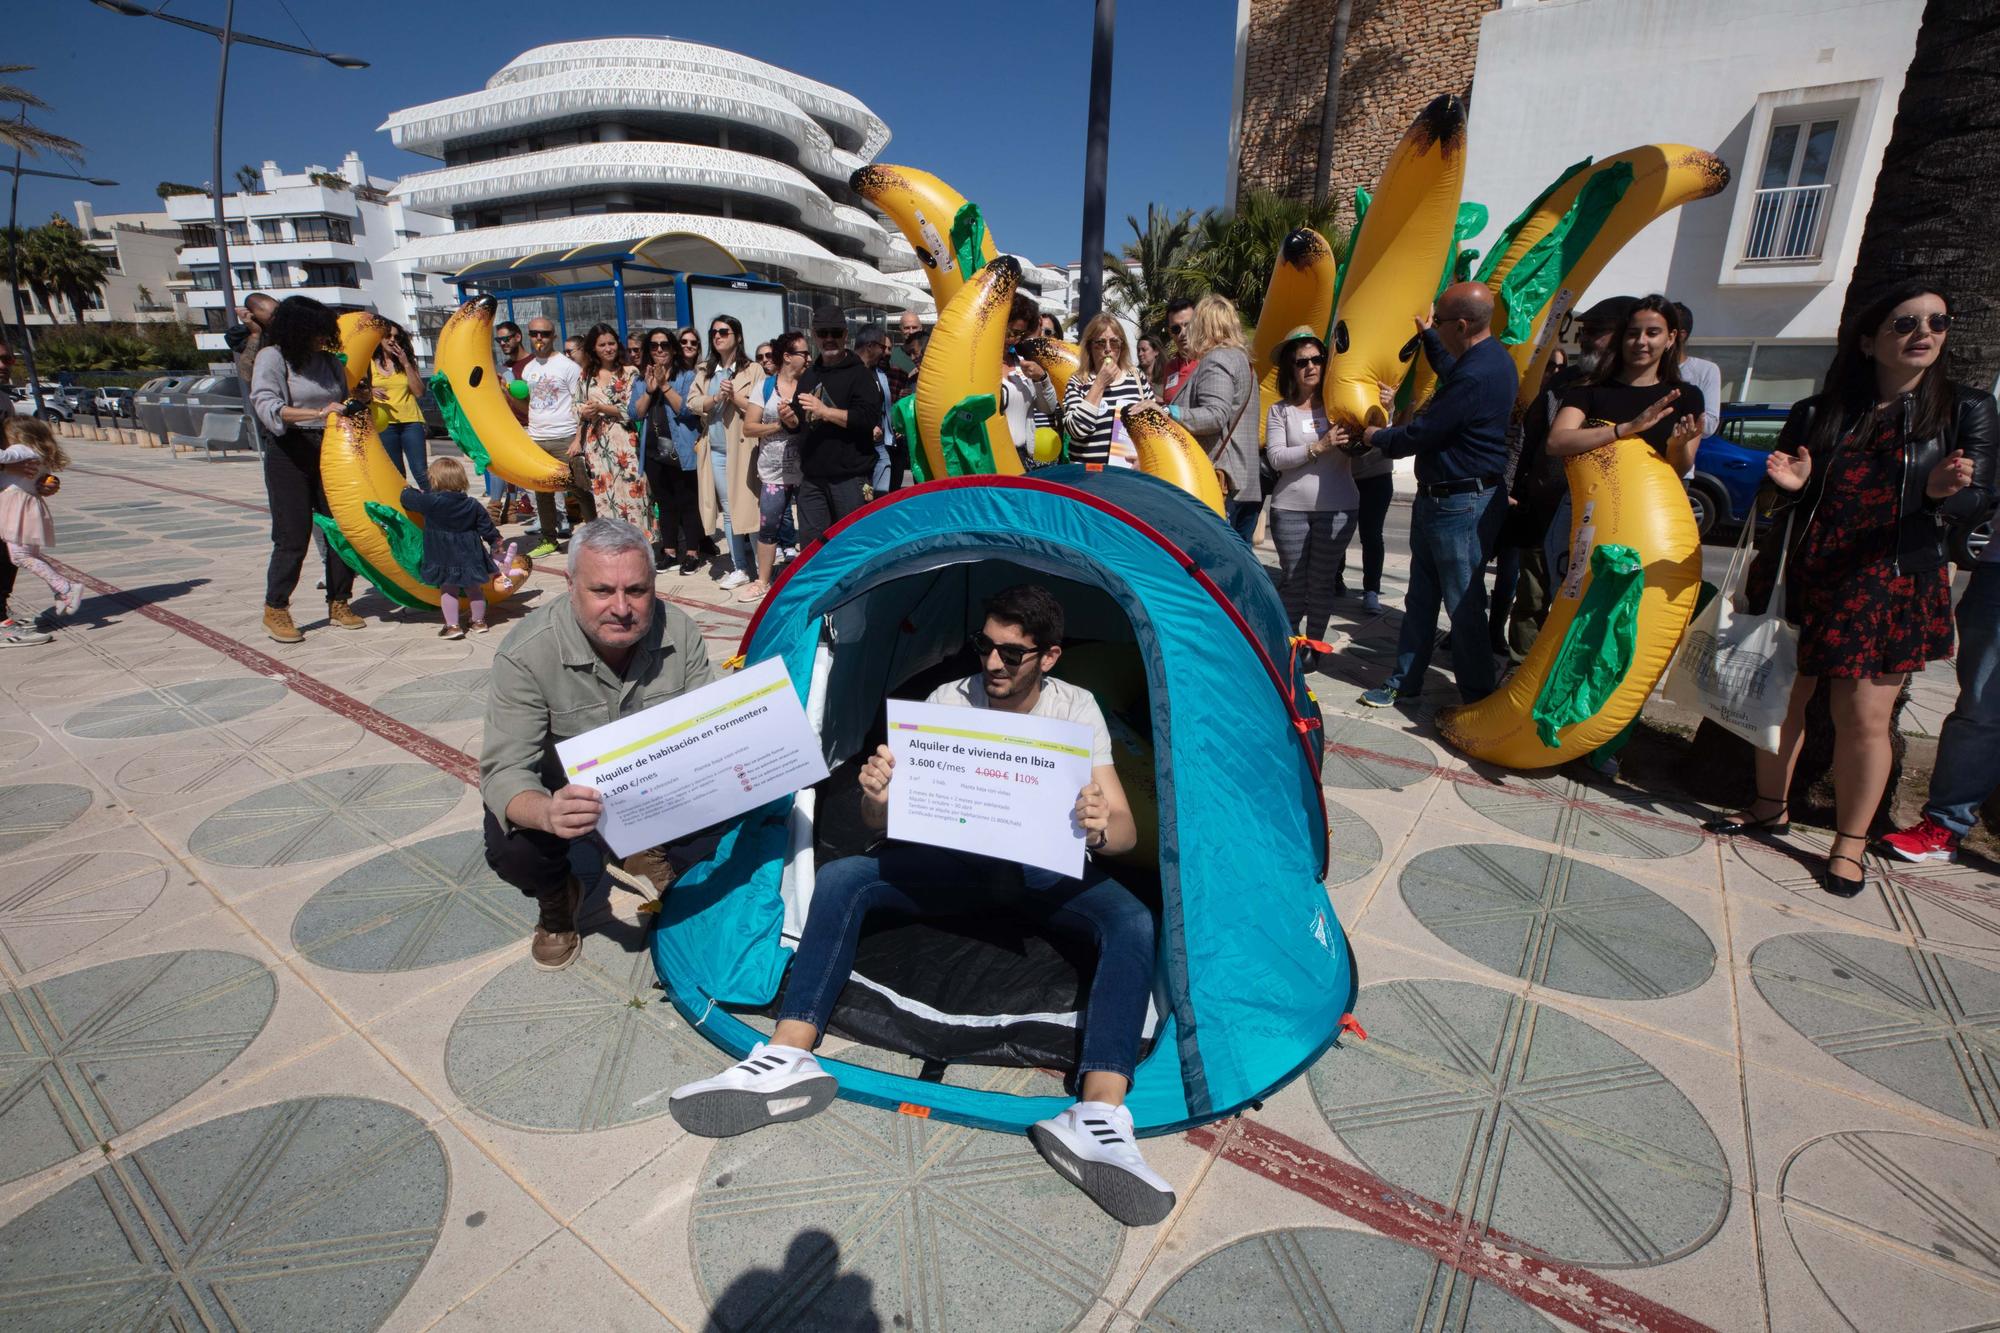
x=1092, y=1141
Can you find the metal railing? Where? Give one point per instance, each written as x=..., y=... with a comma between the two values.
x=1787, y=224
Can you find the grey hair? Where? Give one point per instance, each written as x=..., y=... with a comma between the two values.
x=607, y=536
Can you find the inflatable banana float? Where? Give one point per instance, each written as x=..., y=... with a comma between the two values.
x=1564, y=241
x=952, y=245
x=474, y=405
x=368, y=527
x=1168, y=452
x=1635, y=570
x=360, y=334
x=1301, y=293
x=1059, y=358
x=959, y=426
x=1392, y=273
x=1471, y=221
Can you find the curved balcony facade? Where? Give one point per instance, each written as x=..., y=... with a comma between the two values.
x=622, y=138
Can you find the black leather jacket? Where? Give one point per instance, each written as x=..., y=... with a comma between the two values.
x=1921, y=542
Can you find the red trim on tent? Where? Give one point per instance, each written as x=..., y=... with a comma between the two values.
x=1303, y=726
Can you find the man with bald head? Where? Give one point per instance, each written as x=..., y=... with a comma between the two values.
x=1459, y=442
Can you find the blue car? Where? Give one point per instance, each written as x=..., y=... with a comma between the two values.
x=1729, y=465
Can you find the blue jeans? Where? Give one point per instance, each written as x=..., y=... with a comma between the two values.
x=920, y=882
x=1449, y=538
x=1243, y=518
x=742, y=553
x=1968, y=756
x=403, y=441
x=878, y=481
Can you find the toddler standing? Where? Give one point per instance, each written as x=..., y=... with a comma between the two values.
x=27, y=469
x=459, y=542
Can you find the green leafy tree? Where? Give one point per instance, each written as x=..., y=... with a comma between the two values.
x=66, y=264
x=1233, y=253
x=1148, y=272
x=18, y=135
x=249, y=179
x=168, y=189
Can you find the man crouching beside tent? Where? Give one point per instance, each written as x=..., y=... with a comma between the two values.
x=606, y=649
x=1092, y=1142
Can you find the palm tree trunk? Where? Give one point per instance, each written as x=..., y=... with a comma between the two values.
x=1329, y=112
x=1939, y=187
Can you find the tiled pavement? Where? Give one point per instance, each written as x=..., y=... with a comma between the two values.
x=273, y=1055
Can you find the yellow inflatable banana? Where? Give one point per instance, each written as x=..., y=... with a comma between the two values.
x=1301, y=293
x=1059, y=358
x=926, y=210
x=1168, y=452
x=959, y=425
x=1392, y=274
x=360, y=334
x=474, y=405
x=358, y=477
x=1623, y=495
x=1611, y=202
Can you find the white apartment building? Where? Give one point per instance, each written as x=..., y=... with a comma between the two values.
x=1797, y=96
x=143, y=278
x=318, y=233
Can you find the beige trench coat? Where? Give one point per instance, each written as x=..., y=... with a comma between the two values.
x=743, y=516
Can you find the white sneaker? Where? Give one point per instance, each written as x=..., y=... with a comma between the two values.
x=1092, y=1144
x=788, y=553
x=71, y=599
x=735, y=578
x=770, y=1085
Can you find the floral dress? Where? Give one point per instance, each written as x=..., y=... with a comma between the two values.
x=611, y=456
x=1857, y=617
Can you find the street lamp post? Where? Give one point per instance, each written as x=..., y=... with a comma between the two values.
x=1096, y=153
x=228, y=36
x=14, y=260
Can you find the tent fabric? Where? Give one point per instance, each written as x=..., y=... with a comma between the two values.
x=1254, y=971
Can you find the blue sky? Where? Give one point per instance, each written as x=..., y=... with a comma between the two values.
x=990, y=97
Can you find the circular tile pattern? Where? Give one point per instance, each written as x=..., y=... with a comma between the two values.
x=1924, y=1024
x=1949, y=904
x=1568, y=813
x=590, y=1047
x=1527, y=1120
x=31, y=811
x=433, y=902
x=16, y=747
x=1315, y=1278
x=90, y=1055
x=1557, y=922
x=1371, y=760
x=455, y=696
x=938, y=1226
x=59, y=904
x=187, y=707
x=1353, y=849
x=322, y=1204
x=328, y=814
x=251, y=752
x=1862, y=1203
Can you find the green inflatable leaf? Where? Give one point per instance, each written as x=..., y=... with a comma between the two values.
x=345, y=550
x=1462, y=268
x=455, y=424
x=1597, y=651
x=903, y=420
x=1501, y=245
x=1530, y=283
x=968, y=240
x=406, y=539
x=967, y=453
x=1361, y=201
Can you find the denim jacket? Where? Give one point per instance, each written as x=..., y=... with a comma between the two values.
x=683, y=427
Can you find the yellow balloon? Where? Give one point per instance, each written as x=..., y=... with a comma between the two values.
x=1048, y=445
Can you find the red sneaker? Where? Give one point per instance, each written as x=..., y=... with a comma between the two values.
x=1928, y=841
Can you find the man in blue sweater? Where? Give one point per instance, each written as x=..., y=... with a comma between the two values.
x=1459, y=441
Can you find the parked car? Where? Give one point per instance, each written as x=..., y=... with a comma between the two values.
x=55, y=407
x=114, y=402
x=1729, y=465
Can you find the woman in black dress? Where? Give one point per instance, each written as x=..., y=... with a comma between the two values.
x=1867, y=474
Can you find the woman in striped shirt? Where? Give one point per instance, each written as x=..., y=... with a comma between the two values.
x=1105, y=382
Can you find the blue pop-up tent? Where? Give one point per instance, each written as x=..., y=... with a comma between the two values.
x=1176, y=628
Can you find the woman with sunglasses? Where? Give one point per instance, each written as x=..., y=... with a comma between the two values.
x=725, y=391
x=605, y=444
x=777, y=450
x=1105, y=382
x=1314, y=504
x=670, y=427
x=1215, y=402
x=1867, y=474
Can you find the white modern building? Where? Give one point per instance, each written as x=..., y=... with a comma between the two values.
x=143, y=278
x=1797, y=96
x=620, y=139
x=324, y=234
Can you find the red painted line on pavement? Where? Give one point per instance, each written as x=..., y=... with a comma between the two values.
x=1562, y=1289
x=432, y=751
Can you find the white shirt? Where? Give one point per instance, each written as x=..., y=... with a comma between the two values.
x=1059, y=699
x=1705, y=375
x=554, y=386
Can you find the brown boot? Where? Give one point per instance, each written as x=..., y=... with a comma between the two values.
x=344, y=618
x=556, y=941
x=646, y=873
x=278, y=624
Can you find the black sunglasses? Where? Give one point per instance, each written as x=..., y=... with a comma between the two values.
x=719, y=330
x=1013, y=654
x=1300, y=362
x=1905, y=325
x=541, y=333
x=829, y=333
